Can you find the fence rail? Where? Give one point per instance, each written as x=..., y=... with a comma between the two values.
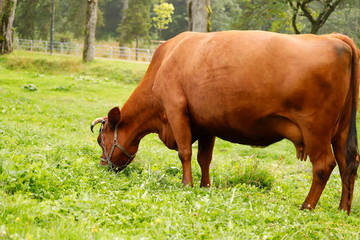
x=136, y=54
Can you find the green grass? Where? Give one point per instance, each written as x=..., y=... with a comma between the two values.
x=36, y=63
x=52, y=186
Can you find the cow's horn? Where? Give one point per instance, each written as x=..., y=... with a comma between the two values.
x=96, y=121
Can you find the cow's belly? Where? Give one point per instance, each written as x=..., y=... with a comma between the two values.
x=254, y=128
x=236, y=136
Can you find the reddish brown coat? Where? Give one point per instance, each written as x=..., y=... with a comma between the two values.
x=249, y=87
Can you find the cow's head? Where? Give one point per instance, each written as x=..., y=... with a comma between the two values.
x=114, y=141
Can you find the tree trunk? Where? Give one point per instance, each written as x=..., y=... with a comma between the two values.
x=6, y=21
x=124, y=8
x=199, y=15
x=1, y=6
x=90, y=27
x=315, y=27
x=317, y=20
x=136, y=47
x=52, y=27
x=189, y=4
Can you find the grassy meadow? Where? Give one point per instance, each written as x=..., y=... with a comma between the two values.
x=52, y=186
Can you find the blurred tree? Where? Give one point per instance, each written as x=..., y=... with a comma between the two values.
x=25, y=10
x=90, y=28
x=344, y=20
x=179, y=20
x=111, y=12
x=1, y=5
x=199, y=15
x=317, y=12
x=224, y=11
x=259, y=15
x=163, y=12
x=7, y=15
x=32, y=18
x=74, y=13
x=43, y=18
x=286, y=16
x=136, y=23
x=123, y=14
x=124, y=8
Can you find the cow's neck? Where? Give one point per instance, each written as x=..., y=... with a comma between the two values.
x=139, y=113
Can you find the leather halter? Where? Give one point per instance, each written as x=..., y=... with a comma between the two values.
x=112, y=165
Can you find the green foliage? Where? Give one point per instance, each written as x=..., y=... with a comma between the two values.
x=25, y=29
x=315, y=13
x=179, y=20
x=252, y=174
x=257, y=15
x=223, y=12
x=344, y=20
x=137, y=21
x=112, y=15
x=64, y=36
x=278, y=16
x=163, y=12
x=53, y=187
x=70, y=17
x=32, y=19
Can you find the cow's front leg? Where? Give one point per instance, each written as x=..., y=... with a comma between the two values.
x=185, y=157
x=204, y=156
x=171, y=97
x=183, y=139
x=180, y=126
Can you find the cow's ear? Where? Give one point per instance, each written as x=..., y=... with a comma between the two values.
x=114, y=117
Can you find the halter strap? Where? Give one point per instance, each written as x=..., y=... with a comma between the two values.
x=112, y=165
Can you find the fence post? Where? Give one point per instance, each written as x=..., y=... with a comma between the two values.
x=148, y=55
x=122, y=50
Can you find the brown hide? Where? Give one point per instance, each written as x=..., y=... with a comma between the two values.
x=252, y=88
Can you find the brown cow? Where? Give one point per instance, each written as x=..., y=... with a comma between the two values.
x=247, y=87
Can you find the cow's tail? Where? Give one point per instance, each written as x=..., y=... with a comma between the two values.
x=351, y=147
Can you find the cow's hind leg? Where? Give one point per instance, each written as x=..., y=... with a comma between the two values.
x=206, y=145
x=347, y=179
x=323, y=163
